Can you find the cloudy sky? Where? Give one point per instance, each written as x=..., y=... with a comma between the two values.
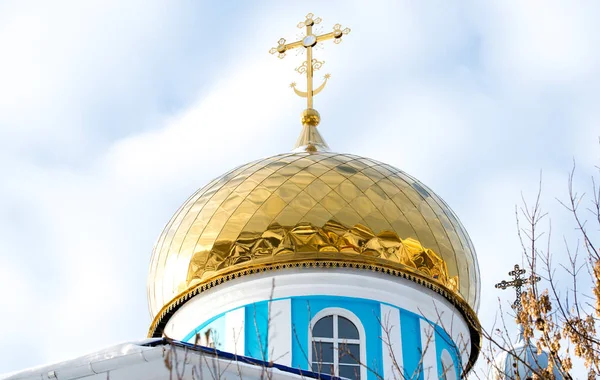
x=113, y=112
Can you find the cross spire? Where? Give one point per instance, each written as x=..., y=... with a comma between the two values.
x=517, y=282
x=310, y=139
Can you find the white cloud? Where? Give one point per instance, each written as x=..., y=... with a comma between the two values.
x=100, y=222
x=539, y=43
x=455, y=95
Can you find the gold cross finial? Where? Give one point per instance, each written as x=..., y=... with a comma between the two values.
x=310, y=117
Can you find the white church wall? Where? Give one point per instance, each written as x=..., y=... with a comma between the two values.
x=391, y=342
x=428, y=341
x=235, y=321
x=238, y=303
x=280, y=333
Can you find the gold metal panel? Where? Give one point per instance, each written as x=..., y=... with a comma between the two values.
x=190, y=234
x=348, y=190
x=317, y=157
x=391, y=211
x=362, y=205
x=259, y=195
x=390, y=168
x=318, y=189
x=246, y=210
x=426, y=211
x=219, y=197
x=233, y=228
x=473, y=273
x=384, y=171
x=191, y=218
x=405, y=187
x=377, y=222
x=273, y=206
x=232, y=202
x=216, y=224
x=317, y=169
x=442, y=240
x=236, y=181
x=373, y=174
x=415, y=218
x=333, y=202
x=367, y=162
x=443, y=229
x=388, y=187
x=246, y=187
x=274, y=181
x=276, y=165
x=362, y=181
x=332, y=178
x=344, y=157
x=288, y=158
x=318, y=216
x=461, y=262
x=454, y=240
x=350, y=216
x=404, y=227
x=302, y=179
x=288, y=191
x=259, y=222
x=303, y=203
x=263, y=213
x=357, y=164
x=288, y=217
x=204, y=245
x=303, y=163
x=261, y=174
x=345, y=170
x=289, y=170
x=331, y=162
x=377, y=196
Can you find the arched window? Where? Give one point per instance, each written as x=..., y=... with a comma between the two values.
x=448, y=370
x=337, y=344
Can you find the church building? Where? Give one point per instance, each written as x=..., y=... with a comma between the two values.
x=306, y=264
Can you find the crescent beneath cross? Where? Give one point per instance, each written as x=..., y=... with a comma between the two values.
x=304, y=94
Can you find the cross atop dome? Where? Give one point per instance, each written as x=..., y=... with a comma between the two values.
x=310, y=140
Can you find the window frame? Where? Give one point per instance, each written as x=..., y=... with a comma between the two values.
x=361, y=341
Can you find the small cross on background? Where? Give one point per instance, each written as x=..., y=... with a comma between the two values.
x=517, y=282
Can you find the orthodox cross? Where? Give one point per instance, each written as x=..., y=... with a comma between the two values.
x=311, y=64
x=517, y=282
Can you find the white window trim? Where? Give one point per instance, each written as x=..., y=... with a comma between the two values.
x=362, y=342
x=448, y=365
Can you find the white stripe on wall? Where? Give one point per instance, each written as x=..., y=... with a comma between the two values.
x=429, y=355
x=280, y=332
x=391, y=340
x=234, y=331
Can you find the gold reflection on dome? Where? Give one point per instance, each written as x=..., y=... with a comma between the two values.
x=311, y=208
x=305, y=242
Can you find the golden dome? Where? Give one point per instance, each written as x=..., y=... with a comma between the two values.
x=310, y=209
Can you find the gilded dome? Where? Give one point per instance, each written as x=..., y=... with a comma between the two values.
x=317, y=209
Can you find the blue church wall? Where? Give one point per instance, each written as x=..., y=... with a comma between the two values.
x=410, y=328
x=304, y=308
x=444, y=342
x=256, y=330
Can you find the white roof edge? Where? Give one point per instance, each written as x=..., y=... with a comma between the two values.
x=86, y=363
x=136, y=361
